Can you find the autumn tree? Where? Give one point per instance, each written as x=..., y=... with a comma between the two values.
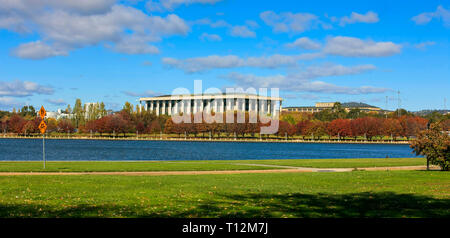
x=392, y=127
x=412, y=125
x=52, y=125
x=16, y=123
x=434, y=144
x=366, y=126
x=65, y=125
x=340, y=128
x=301, y=128
x=316, y=129
x=28, y=128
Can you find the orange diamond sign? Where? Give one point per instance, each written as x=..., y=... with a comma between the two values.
x=42, y=127
x=42, y=113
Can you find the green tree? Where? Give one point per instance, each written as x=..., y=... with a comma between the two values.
x=68, y=109
x=78, y=114
x=128, y=108
x=27, y=111
x=434, y=144
x=102, y=110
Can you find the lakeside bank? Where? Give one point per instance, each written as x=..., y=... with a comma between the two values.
x=192, y=139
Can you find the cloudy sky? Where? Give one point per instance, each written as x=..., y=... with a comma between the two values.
x=54, y=51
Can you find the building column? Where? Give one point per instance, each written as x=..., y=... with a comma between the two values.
x=163, y=107
x=157, y=107
x=201, y=106
x=251, y=105
x=216, y=103
x=151, y=106
x=243, y=105
x=195, y=106
x=208, y=106
x=189, y=107
x=169, y=108
x=274, y=108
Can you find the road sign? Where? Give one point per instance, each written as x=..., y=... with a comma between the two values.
x=42, y=127
x=42, y=113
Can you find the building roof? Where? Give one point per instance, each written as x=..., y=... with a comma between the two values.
x=209, y=95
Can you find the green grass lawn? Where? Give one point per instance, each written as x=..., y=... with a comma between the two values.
x=108, y=166
x=349, y=194
x=340, y=163
x=83, y=166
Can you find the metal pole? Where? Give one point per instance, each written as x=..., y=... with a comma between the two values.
x=43, y=148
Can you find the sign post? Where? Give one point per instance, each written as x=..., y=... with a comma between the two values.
x=42, y=128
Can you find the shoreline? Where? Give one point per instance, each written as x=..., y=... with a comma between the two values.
x=214, y=140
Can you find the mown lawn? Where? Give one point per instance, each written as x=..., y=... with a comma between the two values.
x=108, y=166
x=340, y=163
x=90, y=166
x=349, y=194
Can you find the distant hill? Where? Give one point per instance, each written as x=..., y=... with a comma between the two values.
x=428, y=111
x=356, y=104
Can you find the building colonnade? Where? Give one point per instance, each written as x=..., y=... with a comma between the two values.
x=191, y=104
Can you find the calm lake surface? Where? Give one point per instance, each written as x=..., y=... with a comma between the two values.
x=31, y=149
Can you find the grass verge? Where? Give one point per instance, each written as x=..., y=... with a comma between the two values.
x=352, y=194
x=110, y=166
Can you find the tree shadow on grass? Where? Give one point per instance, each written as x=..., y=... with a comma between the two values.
x=354, y=205
x=257, y=205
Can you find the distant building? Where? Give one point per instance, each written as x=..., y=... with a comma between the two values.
x=89, y=108
x=320, y=106
x=193, y=103
x=59, y=114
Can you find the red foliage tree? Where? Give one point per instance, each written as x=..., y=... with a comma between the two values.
x=66, y=126
x=411, y=126
x=16, y=123
x=366, y=126
x=340, y=127
x=391, y=126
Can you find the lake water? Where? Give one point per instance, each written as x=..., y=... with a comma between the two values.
x=31, y=149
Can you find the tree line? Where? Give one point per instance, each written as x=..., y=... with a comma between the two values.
x=334, y=122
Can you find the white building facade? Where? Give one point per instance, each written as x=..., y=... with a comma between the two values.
x=191, y=104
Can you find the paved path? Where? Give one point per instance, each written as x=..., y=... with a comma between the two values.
x=160, y=173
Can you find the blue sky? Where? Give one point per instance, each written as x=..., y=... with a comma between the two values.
x=52, y=52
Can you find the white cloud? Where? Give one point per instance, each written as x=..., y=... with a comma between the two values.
x=57, y=102
x=210, y=37
x=242, y=31
x=135, y=45
x=6, y=103
x=304, y=43
x=170, y=5
x=148, y=93
x=199, y=64
x=235, y=31
x=68, y=29
x=288, y=22
x=79, y=6
x=252, y=24
x=354, y=47
x=369, y=17
x=441, y=14
x=424, y=45
x=37, y=50
x=305, y=81
x=19, y=88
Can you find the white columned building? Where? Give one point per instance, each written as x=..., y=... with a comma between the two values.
x=175, y=104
